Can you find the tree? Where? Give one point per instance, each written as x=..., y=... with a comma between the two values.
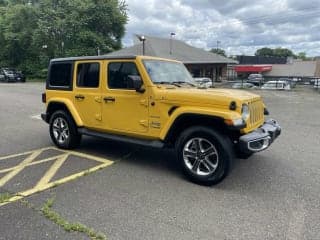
x=31, y=34
x=302, y=56
x=79, y=28
x=277, y=52
x=283, y=52
x=17, y=27
x=265, y=52
x=218, y=51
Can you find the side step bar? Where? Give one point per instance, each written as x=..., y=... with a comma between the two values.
x=121, y=138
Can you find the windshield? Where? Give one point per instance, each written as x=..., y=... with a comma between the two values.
x=167, y=72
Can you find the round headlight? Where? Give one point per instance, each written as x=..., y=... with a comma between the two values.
x=245, y=112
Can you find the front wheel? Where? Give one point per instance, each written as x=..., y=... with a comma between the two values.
x=205, y=155
x=63, y=130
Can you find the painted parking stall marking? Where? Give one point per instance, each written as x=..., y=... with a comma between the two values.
x=36, y=117
x=57, y=157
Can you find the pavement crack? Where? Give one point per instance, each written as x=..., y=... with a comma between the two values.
x=47, y=212
x=55, y=217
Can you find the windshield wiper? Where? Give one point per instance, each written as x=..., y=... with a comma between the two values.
x=170, y=83
x=183, y=82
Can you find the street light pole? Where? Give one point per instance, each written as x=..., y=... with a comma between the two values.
x=142, y=39
x=171, y=35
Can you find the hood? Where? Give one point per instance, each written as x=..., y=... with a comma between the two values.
x=221, y=97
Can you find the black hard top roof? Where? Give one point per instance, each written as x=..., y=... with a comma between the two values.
x=102, y=57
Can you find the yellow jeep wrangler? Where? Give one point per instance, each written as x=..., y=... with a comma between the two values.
x=155, y=102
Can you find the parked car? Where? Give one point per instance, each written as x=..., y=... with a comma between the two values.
x=317, y=83
x=11, y=75
x=244, y=85
x=291, y=82
x=2, y=76
x=256, y=79
x=20, y=76
x=203, y=82
x=205, y=126
x=276, y=85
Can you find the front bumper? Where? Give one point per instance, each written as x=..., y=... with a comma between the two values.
x=11, y=79
x=261, y=138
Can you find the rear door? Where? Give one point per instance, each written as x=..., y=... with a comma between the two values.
x=87, y=92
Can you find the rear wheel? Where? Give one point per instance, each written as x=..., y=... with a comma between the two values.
x=204, y=154
x=63, y=130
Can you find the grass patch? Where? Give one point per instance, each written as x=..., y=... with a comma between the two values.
x=4, y=197
x=66, y=225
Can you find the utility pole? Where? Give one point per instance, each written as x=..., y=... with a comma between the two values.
x=218, y=42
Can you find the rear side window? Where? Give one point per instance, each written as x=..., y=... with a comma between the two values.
x=88, y=75
x=60, y=75
x=118, y=73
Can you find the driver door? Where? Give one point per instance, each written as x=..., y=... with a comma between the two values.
x=124, y=109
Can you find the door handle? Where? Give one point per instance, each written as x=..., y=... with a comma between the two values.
x=79, y=97
x=109, y=99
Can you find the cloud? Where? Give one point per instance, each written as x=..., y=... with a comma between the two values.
x=241, y=26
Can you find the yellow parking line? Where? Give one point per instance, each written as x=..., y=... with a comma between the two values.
x=25, y=153
x=41, y=188
x=33, y=163
x=19, y=168
x=52, y=170
x=83, y=155
x=15, y=155
x=44, y=182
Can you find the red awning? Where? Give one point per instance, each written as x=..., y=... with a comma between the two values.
x=253, y=68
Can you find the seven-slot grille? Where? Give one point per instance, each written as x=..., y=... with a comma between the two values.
x=256, y=112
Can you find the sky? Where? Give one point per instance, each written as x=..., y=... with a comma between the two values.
x=238, y=27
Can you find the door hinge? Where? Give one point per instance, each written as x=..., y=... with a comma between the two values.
x=144, y=102
x=98, y=117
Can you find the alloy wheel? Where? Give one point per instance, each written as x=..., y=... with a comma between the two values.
x=200, y=156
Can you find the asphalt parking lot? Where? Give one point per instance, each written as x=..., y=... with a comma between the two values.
x=127, y=192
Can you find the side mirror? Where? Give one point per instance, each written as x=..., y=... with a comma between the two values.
x=136, y=83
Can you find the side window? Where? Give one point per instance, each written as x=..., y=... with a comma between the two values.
x=88, y=75
x=118, y=73
x=60, y=75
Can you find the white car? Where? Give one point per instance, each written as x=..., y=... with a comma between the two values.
x=317, y=84
x=276, y=85
x=203, y=82
x=244, y=85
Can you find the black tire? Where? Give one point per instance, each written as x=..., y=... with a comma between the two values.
x=220, y=156
x=63, y=130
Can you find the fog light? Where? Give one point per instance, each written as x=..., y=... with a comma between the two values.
x=259, y=145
